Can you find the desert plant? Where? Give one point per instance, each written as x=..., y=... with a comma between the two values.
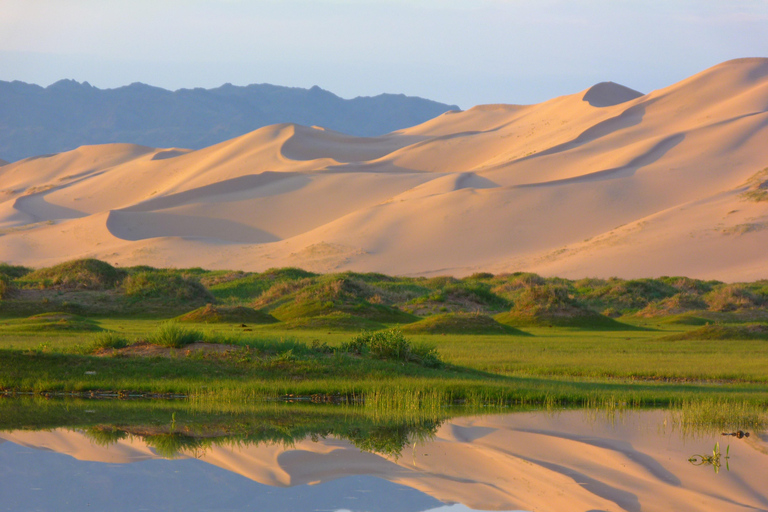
x=14, y=271
x=731, y=297
x=170, y=334
x=391, y=345
x=106, y=340
x=712, y=460
x=678, y=303
x=7, y=289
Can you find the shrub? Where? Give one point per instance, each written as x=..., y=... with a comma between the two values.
x=172, y=335
x=7, y=289
x=393, y=346
x=13, y=271
x=107, y=340
x=552, y=304
x=509, y=285
x=731, y=297
x=481, y=276
x=679, y=303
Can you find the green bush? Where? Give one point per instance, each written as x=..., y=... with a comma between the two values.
x=675, y=305
x=13, y=271
x=391, y=345
x=7, y=289
x=731, y=297
x=172, y=335
x=106, y=340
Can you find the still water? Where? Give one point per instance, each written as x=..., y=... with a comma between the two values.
x=531, y=461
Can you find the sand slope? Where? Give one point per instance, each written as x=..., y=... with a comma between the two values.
x=599, y=183
x=539, y=462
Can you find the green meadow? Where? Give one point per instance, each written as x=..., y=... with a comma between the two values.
x=87, y=328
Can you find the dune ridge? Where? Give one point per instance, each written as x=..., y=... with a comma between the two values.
x=602, y=182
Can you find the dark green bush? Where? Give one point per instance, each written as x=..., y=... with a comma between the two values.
x=732, y=297
x=172, y=335
x=7, y=289
x=13, y=271
x=391, y=345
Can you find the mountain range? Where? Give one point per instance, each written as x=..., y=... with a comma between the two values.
x=36, y=120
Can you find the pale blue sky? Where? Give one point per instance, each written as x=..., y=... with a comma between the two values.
x=457, y=51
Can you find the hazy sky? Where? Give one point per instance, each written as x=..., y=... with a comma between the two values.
x=457, y=51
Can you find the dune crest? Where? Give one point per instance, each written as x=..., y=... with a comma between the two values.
x=608, y=94
x=598, y=183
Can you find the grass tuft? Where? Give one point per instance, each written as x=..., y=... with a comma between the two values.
x=172, y=335
x=106, y=340
x=392, y=345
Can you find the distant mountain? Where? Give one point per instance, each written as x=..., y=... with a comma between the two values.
x=36, y=120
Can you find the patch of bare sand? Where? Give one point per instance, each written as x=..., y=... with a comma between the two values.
x=146, y=349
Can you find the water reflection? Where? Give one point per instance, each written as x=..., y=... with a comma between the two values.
x=332, y=458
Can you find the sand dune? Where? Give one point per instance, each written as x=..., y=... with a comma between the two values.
x=533, y=461
x=602, y=182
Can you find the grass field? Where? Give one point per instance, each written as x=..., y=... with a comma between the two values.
x=516, y=338
x=549, y=365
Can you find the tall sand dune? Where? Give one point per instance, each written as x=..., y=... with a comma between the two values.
x=603, y=182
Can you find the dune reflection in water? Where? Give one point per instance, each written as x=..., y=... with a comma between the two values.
x=570, y=460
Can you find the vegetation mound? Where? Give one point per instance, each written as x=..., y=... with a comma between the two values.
x=675, y=305
x=724, y=332
x=758, y=187
x=552, y=305
x=623, y=295
x=211, y=314
x=452, y=295
x=164, y=284
x=242, y=286
x=86, y=274
x=335, y=293
x=459, y=323
x=734, y=297
x=335, y=321
x=50, y=322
